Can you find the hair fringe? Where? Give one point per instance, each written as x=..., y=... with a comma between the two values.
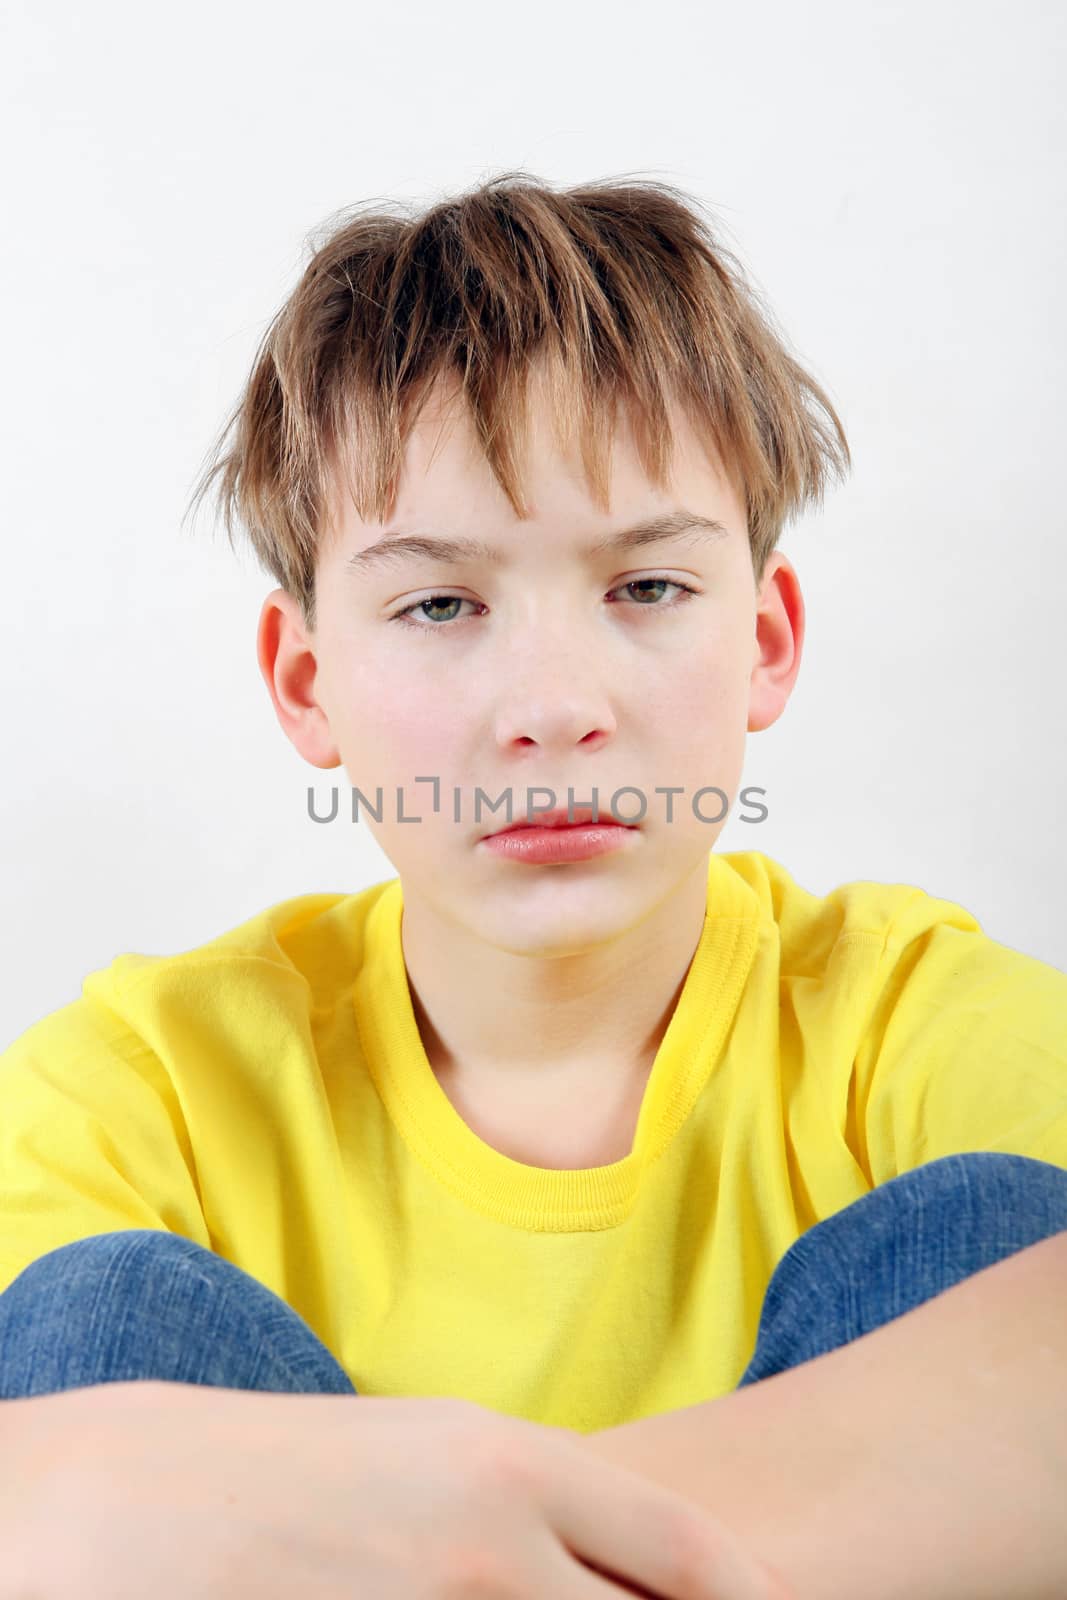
x=620, y=291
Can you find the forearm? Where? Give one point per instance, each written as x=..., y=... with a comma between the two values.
x=29, y=1431
x=924, y=1461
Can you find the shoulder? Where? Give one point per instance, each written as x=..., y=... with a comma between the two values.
x=291, y=958
x=876, y=915
x=928, y=1035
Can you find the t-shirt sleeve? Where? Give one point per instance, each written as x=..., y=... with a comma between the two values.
x=92, y=1138
x=966, y=1047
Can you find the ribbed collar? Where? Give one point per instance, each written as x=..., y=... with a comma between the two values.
x=540, y=1198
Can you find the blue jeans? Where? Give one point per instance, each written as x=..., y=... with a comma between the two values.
x=141, y=1303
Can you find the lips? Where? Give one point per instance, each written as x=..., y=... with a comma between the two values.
x=579, y=816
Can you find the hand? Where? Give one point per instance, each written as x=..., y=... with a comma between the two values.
x=128, y=1489
x=660, y=1452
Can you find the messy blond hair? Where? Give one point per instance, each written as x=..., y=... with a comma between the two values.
x=623, y=289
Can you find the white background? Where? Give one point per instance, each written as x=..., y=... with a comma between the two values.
x=892, y=176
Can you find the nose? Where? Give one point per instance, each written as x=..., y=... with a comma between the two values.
x=553, y=694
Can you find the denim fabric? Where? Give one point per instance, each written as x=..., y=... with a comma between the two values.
x=141, y=1303
x=908, y=1240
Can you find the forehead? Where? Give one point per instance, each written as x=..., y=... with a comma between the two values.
x=446, y=474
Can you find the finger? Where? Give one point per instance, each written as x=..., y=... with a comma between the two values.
x=628, y=1528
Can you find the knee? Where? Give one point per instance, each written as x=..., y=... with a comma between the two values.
x=1020, y=1199
x=144, y=1303
x=125, y=1252
x=904, y=1241
x=924, y=1230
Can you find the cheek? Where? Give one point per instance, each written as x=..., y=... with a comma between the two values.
x=707, y=697
x=411, y=732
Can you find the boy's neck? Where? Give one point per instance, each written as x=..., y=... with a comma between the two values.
x=501, y=1024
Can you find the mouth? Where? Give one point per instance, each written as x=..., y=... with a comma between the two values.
x=577, y=817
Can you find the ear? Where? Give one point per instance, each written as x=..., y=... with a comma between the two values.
x=779, y=642
x=286, y=654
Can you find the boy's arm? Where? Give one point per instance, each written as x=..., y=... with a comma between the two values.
x=926, y=1460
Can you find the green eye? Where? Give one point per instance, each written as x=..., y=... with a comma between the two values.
x=426, y=625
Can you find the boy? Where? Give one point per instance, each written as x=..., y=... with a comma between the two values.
x=536, y=1123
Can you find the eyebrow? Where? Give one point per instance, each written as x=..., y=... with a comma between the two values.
x=429, y=547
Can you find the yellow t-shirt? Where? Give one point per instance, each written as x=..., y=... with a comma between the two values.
x=267, y=1095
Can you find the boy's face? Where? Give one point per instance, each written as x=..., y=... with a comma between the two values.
x=551, y=673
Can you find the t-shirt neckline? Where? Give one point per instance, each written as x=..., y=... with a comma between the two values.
x=496, y=1184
